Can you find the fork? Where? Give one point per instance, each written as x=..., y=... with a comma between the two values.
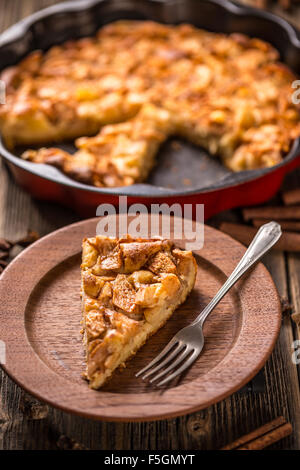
x=187, y=344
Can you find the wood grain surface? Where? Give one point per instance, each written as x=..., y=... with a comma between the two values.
x=40, y=325
x=27, y=423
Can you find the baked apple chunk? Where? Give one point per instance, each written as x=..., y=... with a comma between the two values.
x=130, y=288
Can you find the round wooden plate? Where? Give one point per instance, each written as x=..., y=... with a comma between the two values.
x=40, y=324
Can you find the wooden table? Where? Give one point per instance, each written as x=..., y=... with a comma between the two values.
x=25, y=423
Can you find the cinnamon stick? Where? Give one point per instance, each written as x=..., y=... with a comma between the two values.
x=289, y=241
x=272, y=212
x=263, y=436
x=290, y=225
x=291, y=197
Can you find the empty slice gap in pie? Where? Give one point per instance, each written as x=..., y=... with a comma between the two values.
x=130, y=288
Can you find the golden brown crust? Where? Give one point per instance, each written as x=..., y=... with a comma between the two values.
x=139, y=82
x=125, y=304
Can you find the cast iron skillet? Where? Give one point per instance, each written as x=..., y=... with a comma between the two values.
x=186, y=171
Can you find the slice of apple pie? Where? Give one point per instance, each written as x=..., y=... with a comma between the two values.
x=130, y=287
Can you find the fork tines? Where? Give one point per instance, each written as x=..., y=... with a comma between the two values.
x=169, y=363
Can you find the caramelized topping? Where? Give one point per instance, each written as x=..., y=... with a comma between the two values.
x=138, y=82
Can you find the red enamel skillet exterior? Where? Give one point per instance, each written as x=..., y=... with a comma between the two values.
x=86, y=202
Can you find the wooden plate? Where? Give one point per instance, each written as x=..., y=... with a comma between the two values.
x=40, y=324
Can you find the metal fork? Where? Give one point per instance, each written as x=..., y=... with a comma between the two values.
x=187, y=344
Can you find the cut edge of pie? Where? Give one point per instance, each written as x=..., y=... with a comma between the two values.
x=130, y=288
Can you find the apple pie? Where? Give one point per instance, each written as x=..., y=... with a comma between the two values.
x=123, y=92
x=130, y=288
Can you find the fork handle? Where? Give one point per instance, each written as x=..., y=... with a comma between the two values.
x=266, y=237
